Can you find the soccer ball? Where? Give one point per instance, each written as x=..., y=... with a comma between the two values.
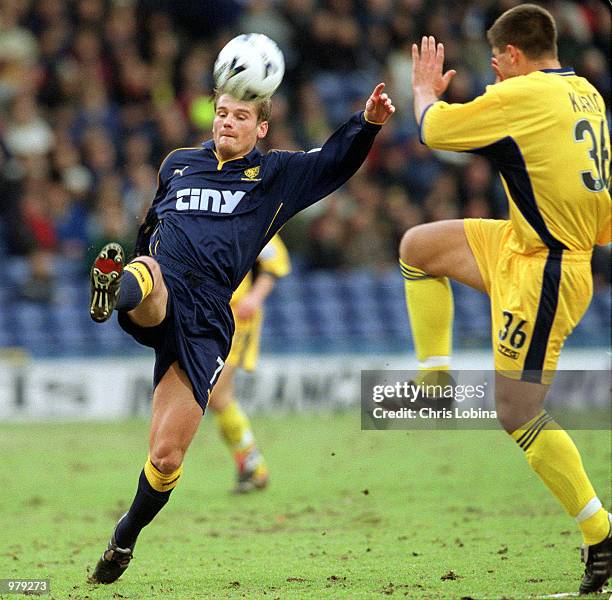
x=249, y=67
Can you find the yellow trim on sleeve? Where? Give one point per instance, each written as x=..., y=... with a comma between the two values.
x=371, y=122
x=274, y=218
x=170, y=154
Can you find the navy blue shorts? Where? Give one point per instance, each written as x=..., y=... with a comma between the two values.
x=197, y=331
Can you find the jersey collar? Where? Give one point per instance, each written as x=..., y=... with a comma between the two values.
x=565, y=71
x=249, y=158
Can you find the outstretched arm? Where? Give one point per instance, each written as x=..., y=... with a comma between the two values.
x=428, y=82
x=306, y=177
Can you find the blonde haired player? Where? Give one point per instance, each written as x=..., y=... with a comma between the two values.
x=545, y=130
x=216, y=207
x=247, y=305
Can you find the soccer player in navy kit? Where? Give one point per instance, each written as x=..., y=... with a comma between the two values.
x=216, y=207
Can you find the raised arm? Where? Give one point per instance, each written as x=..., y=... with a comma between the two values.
x=306, y=177
x=472, y=126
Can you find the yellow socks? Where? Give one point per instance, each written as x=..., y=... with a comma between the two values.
x=549, y=450
x=430, y=306
x=551, y=453
x=154, y=489
x=136, y=285
x=158, y=480
x=235, y=427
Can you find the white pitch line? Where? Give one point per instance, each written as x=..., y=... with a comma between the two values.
x=573, y=595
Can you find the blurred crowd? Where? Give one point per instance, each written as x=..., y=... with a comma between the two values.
x=94, y=94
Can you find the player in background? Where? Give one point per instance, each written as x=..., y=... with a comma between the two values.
x=247, y=305
x=545, y=129
x=216, y=207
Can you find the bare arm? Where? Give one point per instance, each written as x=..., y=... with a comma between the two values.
x=254, y=299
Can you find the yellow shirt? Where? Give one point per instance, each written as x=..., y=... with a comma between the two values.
x=273, y=259
x=547, y=134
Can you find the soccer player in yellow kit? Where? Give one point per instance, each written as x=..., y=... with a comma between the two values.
x=545, y=129
x=247, y=305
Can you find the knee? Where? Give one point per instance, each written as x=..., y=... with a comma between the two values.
x=214, y=401
x=153, y=267
x=218, y=400
x=506, y=418
x=412, y=247
x=506, y=411
x=512, y=415
x=167, y=460
x=517, y=402
x=221, y=396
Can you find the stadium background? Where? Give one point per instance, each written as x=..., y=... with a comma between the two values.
x=94, y=93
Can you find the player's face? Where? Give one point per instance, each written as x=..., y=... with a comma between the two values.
x=235, y=127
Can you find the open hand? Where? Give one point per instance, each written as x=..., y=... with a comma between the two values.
x=427, y=67
x=247, y=307
x=379, y=106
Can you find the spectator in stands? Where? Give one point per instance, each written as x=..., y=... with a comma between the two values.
x=101, y=91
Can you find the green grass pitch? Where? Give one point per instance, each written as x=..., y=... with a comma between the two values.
x=349, y=514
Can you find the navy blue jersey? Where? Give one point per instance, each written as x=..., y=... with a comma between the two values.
x=208, y=223
x=214, y=217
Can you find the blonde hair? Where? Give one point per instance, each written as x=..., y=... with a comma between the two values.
x=263, y=107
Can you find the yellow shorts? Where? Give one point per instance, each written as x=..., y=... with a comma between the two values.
x=536, y=299
x=245, y=343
